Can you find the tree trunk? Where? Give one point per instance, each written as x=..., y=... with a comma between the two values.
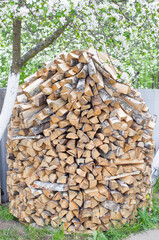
x=135, y=80
x=13, y=80
x=17, y=63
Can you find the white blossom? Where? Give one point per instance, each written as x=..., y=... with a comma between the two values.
x=23, y=11
x=110, y=36
x=29, y=1
x=131, y=71
x=63, y=20
x=116, y=15
x=125, y=77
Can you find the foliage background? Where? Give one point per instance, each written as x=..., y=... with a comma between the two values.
x=127, y=30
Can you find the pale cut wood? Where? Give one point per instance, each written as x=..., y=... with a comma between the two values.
x=26, y=106
x=127, y=161
x=50, y=186
x=28, y=113
x=125, y=106
x=111, y=206
x=115, y=123
x=33, y=88
x=56, y=77
x=65, y=80
x=121, y=114
x=83, y=58
x=80, y=85
x=57, y=104
x=63, y=67
x=39, y=99
x=22, y=98
x=105, y=96
x=77, y=68
x=46, y=84
x=70, y=73
x=105, y=66
x=83, y=73
x=30, y=78
x=122, y=175
x=80, y=148
x=92, y=192
x=123, y=88
x=104, y=148
x=134, y=103
x=110, y=89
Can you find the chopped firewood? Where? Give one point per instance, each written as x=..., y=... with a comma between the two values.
x=57, y=104
x=111, y=206
x=115, y=123
x=122, y=175
x=123, y=88
x=104, y=148
x=92, y=192
x=83, y=73
x=63, y=67
x=104, y=67
x=105, y=96
x=83, y=58
x=79, y=145
x=73, y=206
x=134, y=103
x=33, y=88
x=49, y=186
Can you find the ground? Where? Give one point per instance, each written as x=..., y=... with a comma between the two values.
x=148, y=235
x=11, y=229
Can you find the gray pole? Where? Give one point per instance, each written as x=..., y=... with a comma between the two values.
x=3, y=165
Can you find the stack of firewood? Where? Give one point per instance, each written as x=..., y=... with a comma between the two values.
x=79, y=145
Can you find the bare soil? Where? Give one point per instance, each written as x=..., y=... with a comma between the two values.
x=148, y=235
x=11, y=224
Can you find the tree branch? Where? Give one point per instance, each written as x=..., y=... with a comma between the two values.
x=41, y=46
x=124, y=15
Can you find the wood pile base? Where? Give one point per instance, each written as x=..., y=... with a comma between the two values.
x=79, y=145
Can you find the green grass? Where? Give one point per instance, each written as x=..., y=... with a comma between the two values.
x=58, y=234
x=9, y=234
x=5, y=214
x=156, y=187
x=33, y=233
x=145, y=220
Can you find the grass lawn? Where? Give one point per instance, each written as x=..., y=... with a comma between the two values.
x=11, y=229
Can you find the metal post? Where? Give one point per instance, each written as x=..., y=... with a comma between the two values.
x=3, y=164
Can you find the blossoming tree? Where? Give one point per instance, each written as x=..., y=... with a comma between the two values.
x=128, y=30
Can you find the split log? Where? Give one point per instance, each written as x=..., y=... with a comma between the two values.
x=79, y=145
